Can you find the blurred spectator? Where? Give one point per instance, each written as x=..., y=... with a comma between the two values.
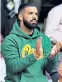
x=54, y=32
x=2, y=63
x=7, y=16
x=16, y=5
x=60, y=72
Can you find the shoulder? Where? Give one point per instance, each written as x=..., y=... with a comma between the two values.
x=45, y=37
x=9, y=40
x=55, y=9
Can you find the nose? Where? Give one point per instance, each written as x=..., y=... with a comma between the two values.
x=35, y=16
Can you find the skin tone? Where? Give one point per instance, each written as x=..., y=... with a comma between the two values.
x=28, y=14
x=60, y=43
x=60, y=72
x=56, y=48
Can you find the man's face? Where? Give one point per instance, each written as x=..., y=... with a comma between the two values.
x=30, y=17
x=60, y=69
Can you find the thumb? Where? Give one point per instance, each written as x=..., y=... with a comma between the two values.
x=52, y=54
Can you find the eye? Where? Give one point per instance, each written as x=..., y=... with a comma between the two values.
x=36, y=14
x=33, y=13
x=30, y=12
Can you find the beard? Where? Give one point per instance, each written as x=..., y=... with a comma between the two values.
x=30, y=25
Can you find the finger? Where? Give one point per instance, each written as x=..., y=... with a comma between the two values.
x=53, y=51
x=60, y=43
x=38, y=44
x=57, y=47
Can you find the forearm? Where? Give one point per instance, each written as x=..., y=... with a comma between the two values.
x=51, y=64
x=18, y=64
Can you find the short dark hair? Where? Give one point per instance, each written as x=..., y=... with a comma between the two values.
x=21, y=7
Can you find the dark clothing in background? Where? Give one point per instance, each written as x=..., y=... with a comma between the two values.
x=6, y=22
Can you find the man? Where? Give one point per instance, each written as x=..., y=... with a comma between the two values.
x=26, y=50
x=54, y=32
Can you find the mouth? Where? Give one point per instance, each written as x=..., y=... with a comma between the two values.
x=34, y=22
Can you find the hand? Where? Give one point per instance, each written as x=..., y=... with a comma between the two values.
x=39, y=51
x=60, y=43
x=55, y=50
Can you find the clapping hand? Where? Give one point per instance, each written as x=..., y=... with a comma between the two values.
x=56, y=48
x=39, y=50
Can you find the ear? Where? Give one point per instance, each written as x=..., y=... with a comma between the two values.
x=20, y=16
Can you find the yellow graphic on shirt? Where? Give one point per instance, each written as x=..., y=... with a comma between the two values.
x=27, y=50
